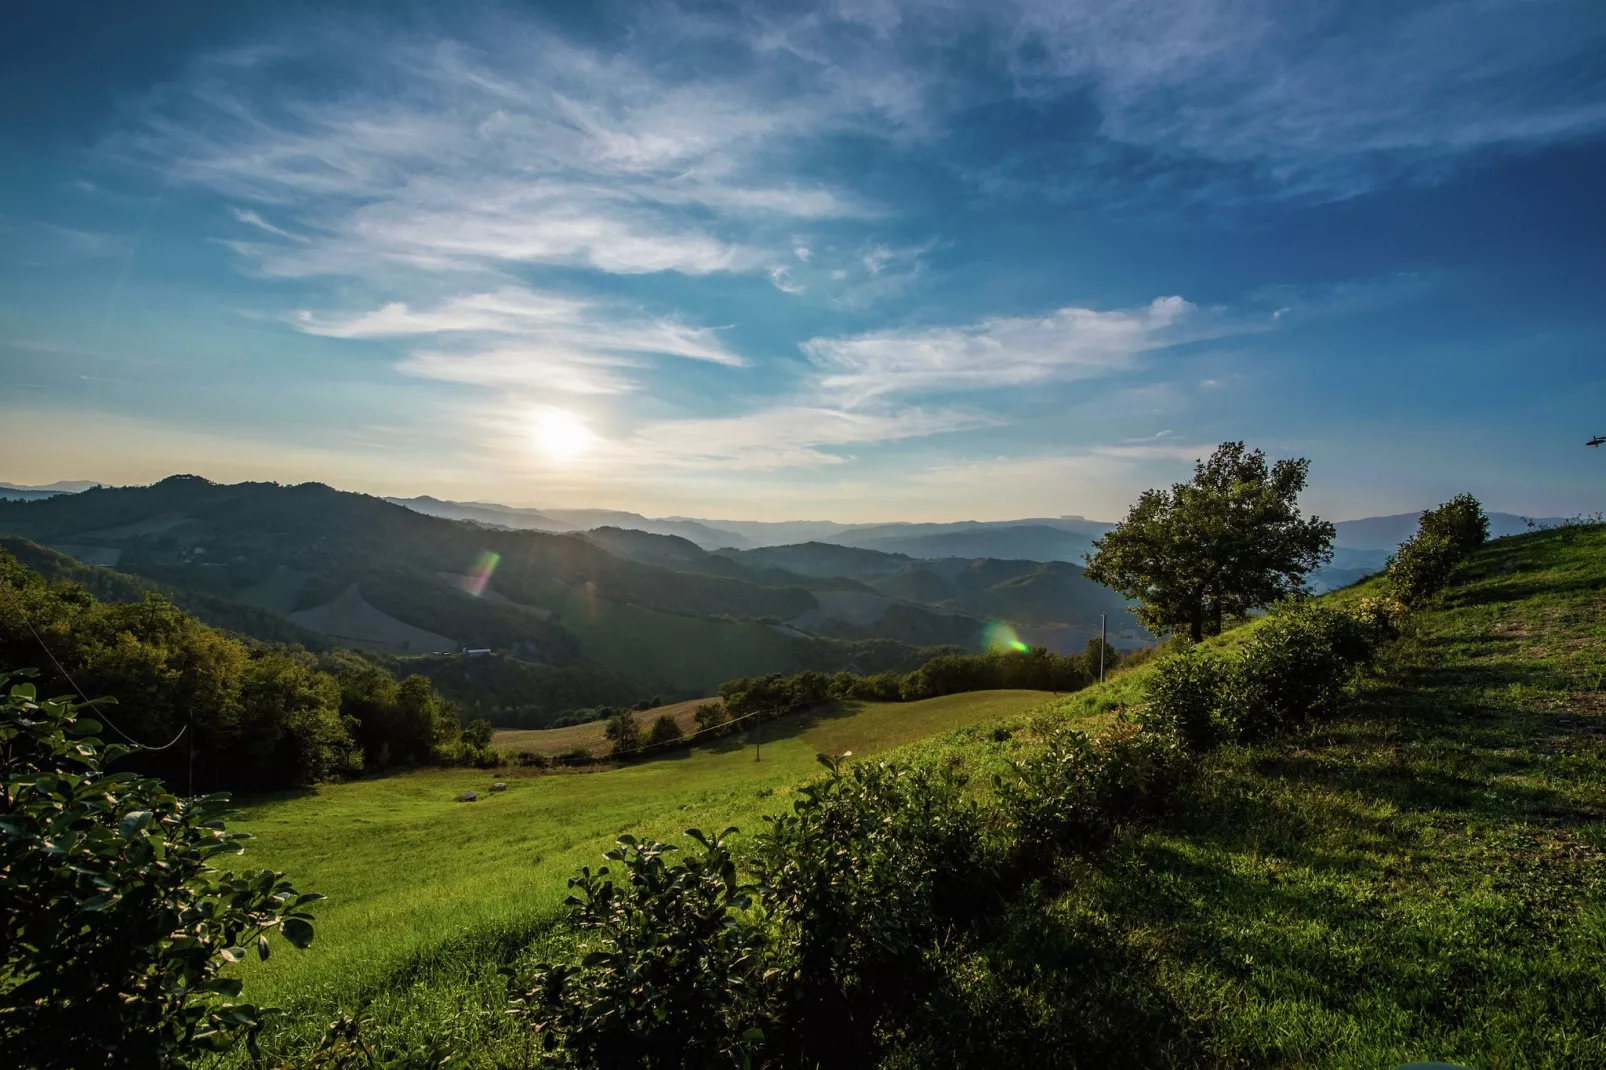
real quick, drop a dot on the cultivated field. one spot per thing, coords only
(588, 735)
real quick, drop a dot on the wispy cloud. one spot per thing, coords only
(783, 437)
(524, 148)
(1068, 343)
(517, 337)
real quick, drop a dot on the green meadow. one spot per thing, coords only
(1422, 879)
(414, 877)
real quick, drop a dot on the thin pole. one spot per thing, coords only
(1104, 640)
(758, 724)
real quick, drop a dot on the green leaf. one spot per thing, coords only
(298, 931)
(262, 947)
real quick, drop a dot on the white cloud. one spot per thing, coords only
(1069, 343)
(435, 154)
(517, 337)
(250, 218)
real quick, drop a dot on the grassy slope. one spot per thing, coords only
(1421, 881)
(413, 876)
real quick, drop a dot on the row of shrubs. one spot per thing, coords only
(845, 943)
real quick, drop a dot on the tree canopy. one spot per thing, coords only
(1230, 541)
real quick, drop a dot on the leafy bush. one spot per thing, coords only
(1461, 520)
(1421, 566)
(671, 973)
(115, 922)
(1184, 696)
(664, 730)
(863, 882)
(623, 732)
(1074, 793)
(1295, 668)
(1445, 535)
(710, 715)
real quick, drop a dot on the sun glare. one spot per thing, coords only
(562, 435)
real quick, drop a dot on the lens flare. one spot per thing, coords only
(480, 575)
(1000, 636)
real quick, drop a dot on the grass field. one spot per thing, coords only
(415, 878)
(1423, 879)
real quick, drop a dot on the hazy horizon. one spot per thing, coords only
(714, 519)
(875, 262)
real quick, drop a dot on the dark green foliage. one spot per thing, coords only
(864, 881)
(1037, 669)
(710, 715)
(477, 734)
(253, 717)
(1297, 667)
(1080, 788)
(670, 975)
(514, 694)
(1445, 535)
(1460, 520)
(115, 922)
(774, 693)
(1230, 541)
(1184, 696)
(623, 732)
(664, 730)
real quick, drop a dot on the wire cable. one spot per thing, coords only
(91, 703)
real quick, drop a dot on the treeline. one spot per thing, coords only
(212, 711)
(758, 698)
(1038, 669)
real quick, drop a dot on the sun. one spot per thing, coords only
(561, 435)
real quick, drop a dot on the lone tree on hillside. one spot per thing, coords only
(1230, 541)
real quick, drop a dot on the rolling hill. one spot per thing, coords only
(1418, 879)
(373, 574)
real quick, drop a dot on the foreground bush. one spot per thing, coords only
(1445, 535)
(115, 922)
(670, 976)
(1075, 793)
(863, 882)
(1297, 667)
(1184, 694)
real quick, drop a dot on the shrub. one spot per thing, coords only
(1381, 617)
(1295, 668)
(863, 882)
(710, 715)
(671, 974)
(1461, 520)
(115, 922)
(664, 730)
(623, 732)
(1421, 566)
(1075, 792)
(1184, 696)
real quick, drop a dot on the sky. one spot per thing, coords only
(858, 261)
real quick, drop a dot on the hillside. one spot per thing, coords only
(371, 574)
(1418, 880)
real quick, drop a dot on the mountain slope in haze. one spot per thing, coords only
(396, 580)
(1023, 542)
(570, 520)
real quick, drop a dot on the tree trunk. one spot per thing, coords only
(1196, 624)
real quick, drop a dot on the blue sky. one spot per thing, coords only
(863, 261)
